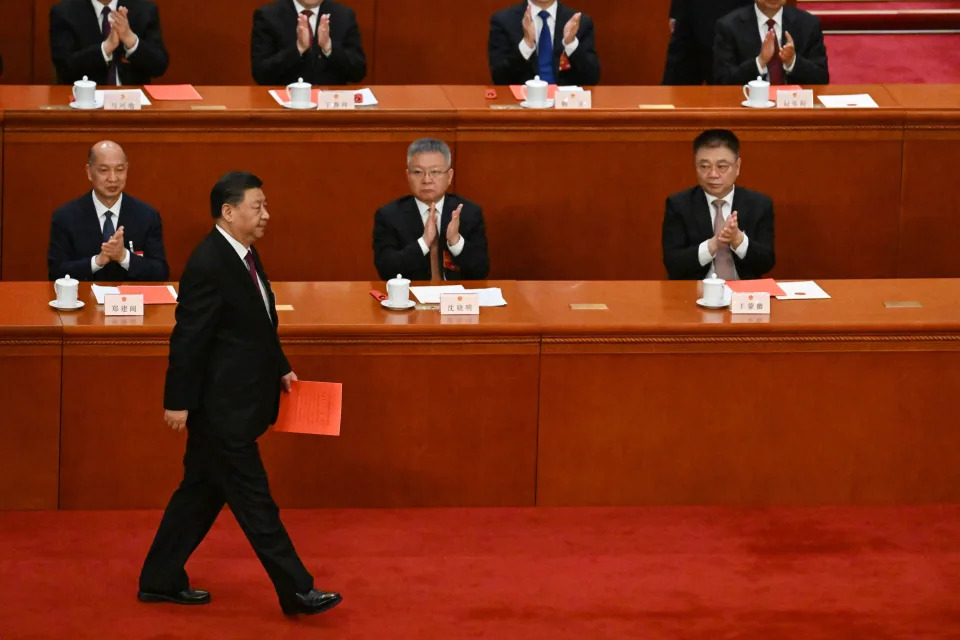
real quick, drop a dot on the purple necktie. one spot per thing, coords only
(253, 271)
(105, 28)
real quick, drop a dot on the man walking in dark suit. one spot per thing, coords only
(542, 38)
(107, 235)
(112, 42)
(431, 234)
(690, 53)
(783, 44)
(223, 386)
(317, 40)
(718, 227)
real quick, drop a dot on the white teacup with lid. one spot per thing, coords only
(757, 92)
(536, 92)
(85, 93)
(299, 93)
(398, 291)
(713, 290)
(66, 291)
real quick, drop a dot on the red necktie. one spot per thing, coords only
(775, 66)
(105, 28)
(253, 271)
(308, 13)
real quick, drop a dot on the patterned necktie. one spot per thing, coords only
(723, 261)
(112, 68)
(308, 13)
(108, 228)
(775, 67)
(253, 271)
(434, 249)
(545, 50)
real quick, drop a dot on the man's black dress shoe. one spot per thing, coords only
(312, 602)
(187, 596)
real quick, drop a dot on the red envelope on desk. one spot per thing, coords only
(311, 407)
(151, 295)
(520, 91)
(767, 285)
(172, 92)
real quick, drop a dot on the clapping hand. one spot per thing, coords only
(529, 30)
(430, 228)
(789, 51)
(453, 229)
(571, 29)
(303, 34)
(113, 249)
(121, 26)
(731, 235)
(323, 34)
(769, 47)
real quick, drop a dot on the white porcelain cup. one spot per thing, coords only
(757, 92)
(537, 91)
(66, 290)
(713, 290)
(398, 291)
(299, 93)
(85, 92)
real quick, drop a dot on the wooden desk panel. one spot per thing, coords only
(324, 173)
(597, 210)
(15, 36)
(30, 396)
(830, 402)
(400, 445)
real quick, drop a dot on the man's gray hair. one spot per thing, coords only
(429, 145)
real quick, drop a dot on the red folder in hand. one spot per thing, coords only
(311, 407)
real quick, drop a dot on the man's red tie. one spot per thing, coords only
(253, 271)
(308, 13)
(775, 66)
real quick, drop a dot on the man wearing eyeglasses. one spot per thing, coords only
(718, 227)
(431, 234)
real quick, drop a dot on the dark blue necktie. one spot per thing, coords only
(545, 50)
(108, 229)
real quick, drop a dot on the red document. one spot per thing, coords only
(172, 92)
(520, 91)
(767, 285)
(151, 295)
(311, 407)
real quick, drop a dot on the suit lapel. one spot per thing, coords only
(88, 18)
(702, 215)
(91, 223)
(237, 269)
(266, 283)
(751, 29)
(787, 25)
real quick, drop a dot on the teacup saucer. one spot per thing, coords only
(306, 107)
(703, 303)
(57, 305)
(97, 104)
(529, 105)
(403, 306)
(767, 105)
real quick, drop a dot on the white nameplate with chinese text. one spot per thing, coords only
(121, 100)
(756, 303)
(119, 304)
(340, 100)
(459, 304)
(573, 100)
(802, 99)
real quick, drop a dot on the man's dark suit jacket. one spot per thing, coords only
(75, 237)
(225, 359)
(507, 65)
(690, 54)
(276, 59)
(398, 225)
(688, 221)
(738, 44)
(75, 40)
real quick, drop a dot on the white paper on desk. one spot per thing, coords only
(804, 290)
(853, 101)
(99, 292)
(431, 295)
(144, 101)
(492, 297)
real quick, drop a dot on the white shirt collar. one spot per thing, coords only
(300, 9)
(236, 244)
(762, 19)
(98, 7)
(727, 199)
(424, 208)
(102, 208)
(552, 10)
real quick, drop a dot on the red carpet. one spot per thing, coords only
(658, 573)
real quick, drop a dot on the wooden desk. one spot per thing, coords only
(30, 349)
(858, 193)
(839, 401)
(415, 431)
